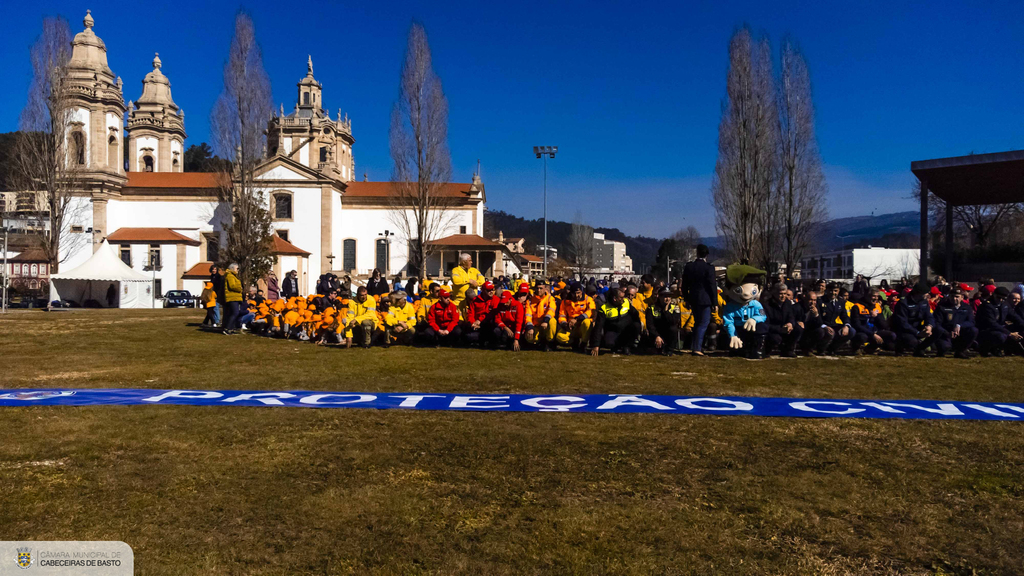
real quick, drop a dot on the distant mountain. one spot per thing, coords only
(897, 230)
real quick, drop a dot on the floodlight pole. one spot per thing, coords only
(544, 152)
(5, 271)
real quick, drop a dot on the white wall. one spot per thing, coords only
(76, 248)
(886, 263)
(163, 214)
(366, 225)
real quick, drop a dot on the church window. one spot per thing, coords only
(147, 163)
(283, 206)
(323, 153)
(212, 246)
(305, 98)
(348, 255)
(78, 148)
(112, 156)
(175, 167)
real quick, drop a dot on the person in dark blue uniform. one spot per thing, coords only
(956, 317)
(913, 324)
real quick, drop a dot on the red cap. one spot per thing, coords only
(506, 296)
(990, 289)
(488, 285)
(965, 287)
(935, 291)
(523, 289)
(444, 293)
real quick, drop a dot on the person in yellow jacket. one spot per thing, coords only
(209, 300)
(464, 277)
(424, 305)
(232, 298)
(362, 319)
(575, 319)
(400, 326)
(465, 304)
(541, 317)
(638, 301)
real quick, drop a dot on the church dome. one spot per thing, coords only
(88, 52)
(156, 88)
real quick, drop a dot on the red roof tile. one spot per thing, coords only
(200, 271)
(149, 235)
(529, 257)
(467, 240)
(283, 247)
(207, 180)
(359, 189)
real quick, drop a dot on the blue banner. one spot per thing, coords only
(599, 403)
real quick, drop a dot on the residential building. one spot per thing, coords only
(874, 263)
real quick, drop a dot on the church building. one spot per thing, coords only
(170, 223)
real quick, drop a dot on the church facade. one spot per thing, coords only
(171, 224)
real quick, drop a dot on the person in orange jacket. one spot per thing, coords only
(541, 317)
(209, 300)
(575, 319)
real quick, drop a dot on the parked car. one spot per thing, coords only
(179, 298)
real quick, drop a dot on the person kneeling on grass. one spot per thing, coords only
(957, 318)
(362, 319)
(575, 319)
(913, 324)
(617, 325)
(509, 317)
(664, 323)
(443, 322)
(400, 326)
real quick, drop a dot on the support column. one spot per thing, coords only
(440, 267)
(99, 222)
(924, 232)
(326, 227)
(949, 242)
(180, 267)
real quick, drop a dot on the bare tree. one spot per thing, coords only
(802, 188)
(238, 123)
(686, 242)
(746, 171)
(581, 245)
(418, 205)
(976, 223)
(49, 158)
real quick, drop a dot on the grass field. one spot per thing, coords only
(231, 490)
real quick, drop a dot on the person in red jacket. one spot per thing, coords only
(443, 320)
(509, 317)
(479, 323)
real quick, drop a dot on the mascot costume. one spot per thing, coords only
(743, 316)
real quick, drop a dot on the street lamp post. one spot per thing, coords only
(544, 152)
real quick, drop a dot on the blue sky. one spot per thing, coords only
(630, 91)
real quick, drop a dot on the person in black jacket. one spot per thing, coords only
(663, 323)
(783, 330)
(913, 324)
(290, 285)
(834, 317)
(700, 291)
(617, 325)
(377, 284)
(218, 287)
(871, 331)
(957, 318)
(817, 336)
(993, 319)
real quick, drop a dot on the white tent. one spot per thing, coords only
(105, 279)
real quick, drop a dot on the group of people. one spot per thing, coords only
(594, 316)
